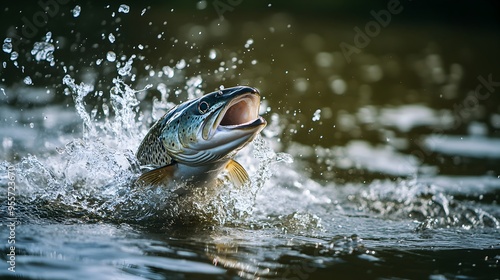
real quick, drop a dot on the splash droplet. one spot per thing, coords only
(212, 54)
(181, 64)
(338, 86)
(127, 67)
(76, 11)
(201, 5)
(168, 71)
(28, 80)
(14, 56)
(7, 143)
(44, 50)
(124, 9)
(111, 56)
(111, 37)
(249, 43)
(317, 115)
(7, 45)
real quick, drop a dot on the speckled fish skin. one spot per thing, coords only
(191, 134)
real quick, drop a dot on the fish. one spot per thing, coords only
(195, 141)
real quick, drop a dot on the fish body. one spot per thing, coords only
(196, 140)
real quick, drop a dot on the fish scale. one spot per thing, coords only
(153, 152)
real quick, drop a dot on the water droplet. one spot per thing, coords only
(76, 11)
(48, 36)
(7, 45)
(338, 86)
(324, 59)
(301, 84)
(111, 37)
(181, 64)
(372, 73)
(7, 143)
(254, 62)
(124, 9)
(140, 46)
(143, 12)
(127, 67)
(212, 54)
(93, 113)
(168, 71)
(317, 115)
(249, 43)
(201, 5)
(32, 125)
(105, 109)
(28, 80)
(44, 50)
(99, 61)
(111, 56)
(14, 55)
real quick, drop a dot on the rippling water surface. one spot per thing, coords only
(385, 165)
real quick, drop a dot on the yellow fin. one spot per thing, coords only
(157, 176)
(237, 174)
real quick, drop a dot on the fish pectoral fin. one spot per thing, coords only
(157, 176)
(237, 174)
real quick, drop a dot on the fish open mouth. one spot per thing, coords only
(236, 121)
(241, 112)
(233, 125)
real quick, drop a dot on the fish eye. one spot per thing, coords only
(203, 107)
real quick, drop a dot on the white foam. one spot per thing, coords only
(468, 146)
(407, 117)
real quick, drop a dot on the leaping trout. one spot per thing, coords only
(195, 141)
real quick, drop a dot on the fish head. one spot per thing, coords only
(214, 126)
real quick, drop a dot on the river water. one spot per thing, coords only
(382, 163)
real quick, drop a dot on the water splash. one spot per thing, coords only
(79, 93)
(44, 50)
(427, 204)
(126, 69)
(91, 178)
